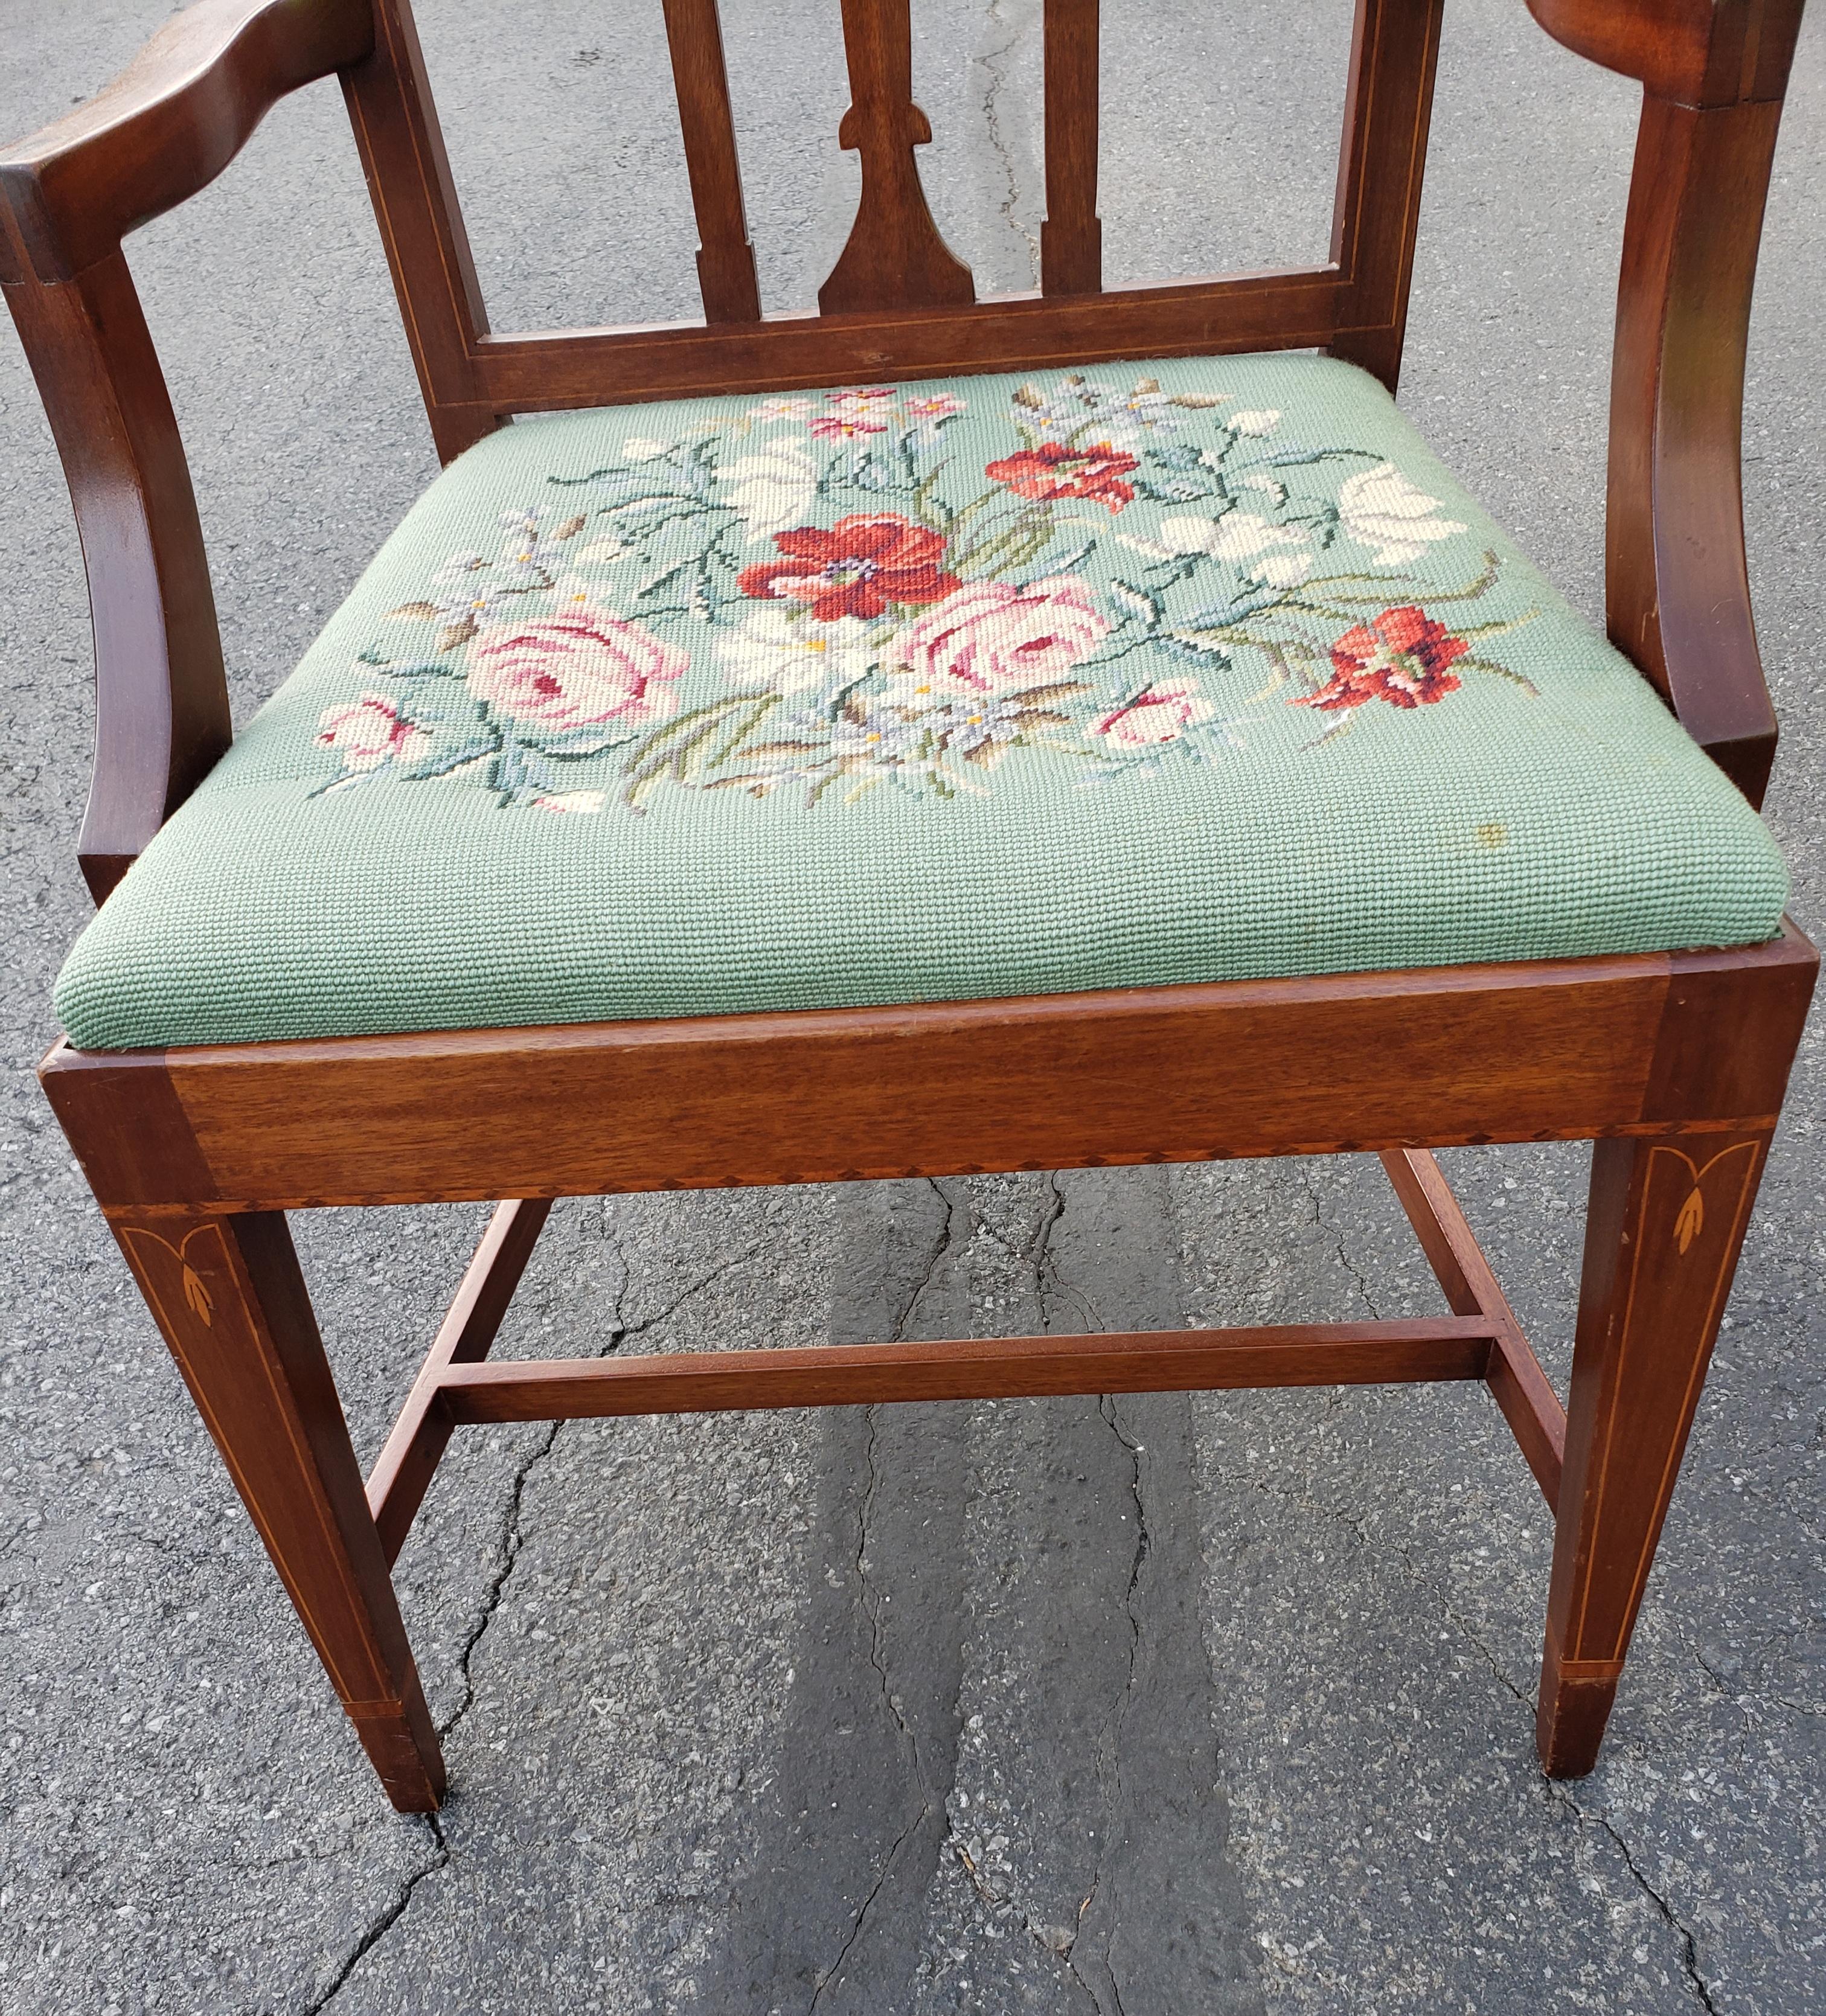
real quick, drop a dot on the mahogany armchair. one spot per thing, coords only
(926, 736)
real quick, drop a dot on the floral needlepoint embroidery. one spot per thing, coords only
(772, 491)
(827, 594)
(850, 413)
(576, 669)
(1403, 656)
(991, 636)
(857, 568)
(1053, 471)
(370, 732)
(1381, 509)
(1159, 714)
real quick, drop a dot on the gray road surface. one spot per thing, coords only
(1148, 1708)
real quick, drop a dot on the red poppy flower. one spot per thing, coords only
(1403, 656)
(1051, 469)
(855, 569)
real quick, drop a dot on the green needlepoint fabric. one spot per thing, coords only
(1198, 670)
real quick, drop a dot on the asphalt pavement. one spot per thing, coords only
(1142, 1707)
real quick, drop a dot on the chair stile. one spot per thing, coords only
(1674, 1063)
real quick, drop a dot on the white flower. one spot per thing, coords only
(782, 410)
(609, 547)
(1187, 534)
(572, 802)
(1381, 509)
(641, 449)
(1282, 570)
(1271, 487)
(1237, 535)
(781, 650)
(771, 490)
(1264, 421)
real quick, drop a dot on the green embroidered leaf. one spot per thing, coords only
(1187, 490)
(757, 784)
(1058, 689)
(1188, 644)
(1475, 664)
(413, 669)
(931, 509)
(1497, 629)
(655, 581)
(1387, 588)
(1138, 601)
(576, 748)
(472, 750)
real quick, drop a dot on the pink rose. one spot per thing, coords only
(370, 732)
(1161, 714)
(576, 669)
(991, 635)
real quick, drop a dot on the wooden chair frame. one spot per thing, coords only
(1675, 1064)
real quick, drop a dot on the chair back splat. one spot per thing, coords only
(899, 303)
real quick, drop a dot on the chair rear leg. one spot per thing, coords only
(1665, 1226)
(231, 1301)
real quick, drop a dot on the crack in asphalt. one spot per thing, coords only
(1144, 1543)
(1751, 1697)
(990, 59)
(1689, 1945)
(1310, 1181)
(1006, 1906)
(1048, 1284)
(388, 1918)
(942, 1244)
(910, 1742)
(512, 1540)
(1564, 1794)
(513, 1537)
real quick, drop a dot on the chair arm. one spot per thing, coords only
(1694, 51)
(168, 126)
(160, 133)
(1677, 593)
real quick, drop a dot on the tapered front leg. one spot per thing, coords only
(231, 1302)
(1665, 1226)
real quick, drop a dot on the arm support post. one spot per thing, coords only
(1677, 592)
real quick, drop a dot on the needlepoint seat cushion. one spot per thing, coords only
(1190, 670)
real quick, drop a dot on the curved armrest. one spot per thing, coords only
(1694, 51)
(1677, 592)
(166, 126)
(162, 130)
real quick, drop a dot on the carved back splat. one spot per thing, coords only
(1070, 233)
(725, 259)
(895, 257)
